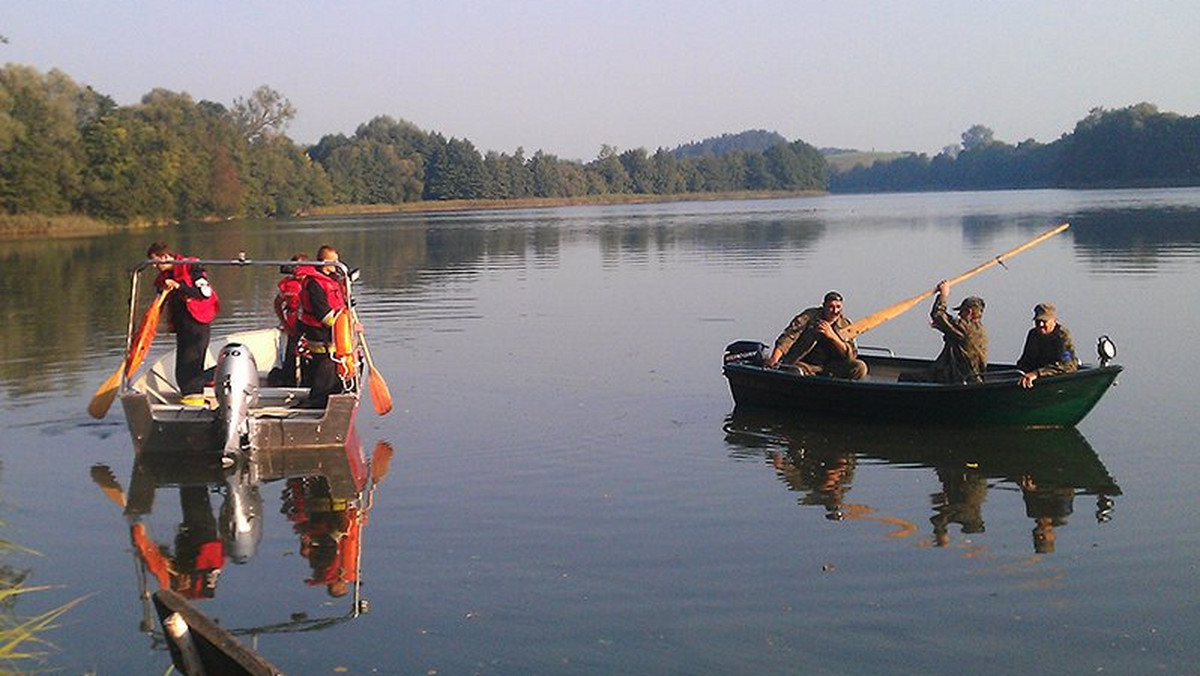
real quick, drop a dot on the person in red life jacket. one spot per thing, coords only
(329, 528)
(287, 309)
(191, 307)
(199, 556)
(322, 299)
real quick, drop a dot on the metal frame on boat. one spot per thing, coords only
(1055, 401)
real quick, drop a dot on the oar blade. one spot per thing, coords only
(381, 397)
(381, 461)
(105, 394)
(103, 476)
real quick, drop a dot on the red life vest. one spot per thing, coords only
(203, 310)
(333, 293)
(289, 292)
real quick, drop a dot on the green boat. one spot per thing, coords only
(999, 401)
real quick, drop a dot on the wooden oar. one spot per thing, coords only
(145, 334)
(871, 321)
(103, 476)
(381, 397)
(107, 392)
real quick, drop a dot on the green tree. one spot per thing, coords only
(263, 115)
(41, 147)
(666, 179)
(609, 167)
(637, 165)
(454, 170)
(978, 136)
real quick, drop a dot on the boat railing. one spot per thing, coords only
(1002, 375)
(877, 350)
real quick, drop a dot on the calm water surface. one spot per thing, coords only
(571, 492)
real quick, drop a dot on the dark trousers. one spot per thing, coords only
(287, 374)
(319, 373)
(191, 345)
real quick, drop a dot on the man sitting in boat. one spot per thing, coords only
(1049, 349)
(322, 300)
(813, 344)
(963, 358)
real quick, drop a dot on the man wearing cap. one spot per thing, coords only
(963, 358)
(1049, 349)
(812, 343)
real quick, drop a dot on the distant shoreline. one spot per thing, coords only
(547, 202)
(37, 226)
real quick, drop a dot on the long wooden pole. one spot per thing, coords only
(892, 311)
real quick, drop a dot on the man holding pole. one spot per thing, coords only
(963, 358)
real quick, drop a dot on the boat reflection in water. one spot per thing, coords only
(1050, 468)
(326, 494)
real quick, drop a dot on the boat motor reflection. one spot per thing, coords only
(221, 517)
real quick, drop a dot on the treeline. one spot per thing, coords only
(390, 161)
(1136, 146)
(67, 149)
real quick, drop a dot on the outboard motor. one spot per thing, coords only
(241, 517)
(236, 386)
(749, 352)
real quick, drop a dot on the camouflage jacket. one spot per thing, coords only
(965, 346)
(1050, 354)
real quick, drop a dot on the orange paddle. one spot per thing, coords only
(107, 392)
(381, 397)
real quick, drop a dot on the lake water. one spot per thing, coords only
(570, 492)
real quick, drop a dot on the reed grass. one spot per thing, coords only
(23, 649)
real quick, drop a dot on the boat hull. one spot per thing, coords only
(1057, 401)
(157, 427)
(275, 417)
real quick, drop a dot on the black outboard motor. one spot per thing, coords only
(749, 352)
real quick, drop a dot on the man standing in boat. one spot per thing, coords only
(287, 309)
(812, 342)
(963, 358)
(1049, 349)
(322, 300)
(191, 307)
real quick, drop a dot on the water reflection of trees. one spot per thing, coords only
(1049, 468)
(65, 299)
(1132, 239)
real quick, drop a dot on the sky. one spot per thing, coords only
(568, 76)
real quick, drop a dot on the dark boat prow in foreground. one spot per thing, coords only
(999, 401)
(204, 643)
